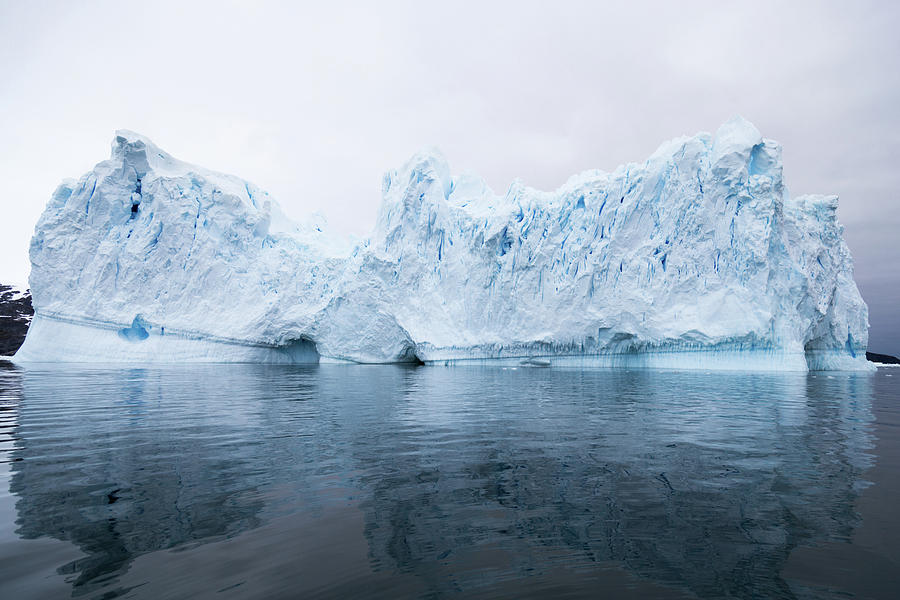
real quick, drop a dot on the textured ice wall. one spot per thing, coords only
(695, 258)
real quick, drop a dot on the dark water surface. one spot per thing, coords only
(349, 481)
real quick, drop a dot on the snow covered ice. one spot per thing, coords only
(696, 258)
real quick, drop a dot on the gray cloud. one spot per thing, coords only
(313, 103)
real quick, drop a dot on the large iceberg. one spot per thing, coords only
(696, 258)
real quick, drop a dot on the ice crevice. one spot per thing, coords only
(704, 262)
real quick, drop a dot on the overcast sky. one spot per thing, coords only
(313, 103)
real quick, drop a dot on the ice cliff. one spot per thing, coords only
(696, 258)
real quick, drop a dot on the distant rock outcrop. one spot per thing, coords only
(884, 359)
(15, 316)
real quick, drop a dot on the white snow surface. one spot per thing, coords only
(696, 258)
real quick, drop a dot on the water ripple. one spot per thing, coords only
(260, 481)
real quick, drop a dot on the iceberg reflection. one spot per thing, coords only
(461, 480)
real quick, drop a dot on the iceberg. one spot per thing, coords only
(696, 258)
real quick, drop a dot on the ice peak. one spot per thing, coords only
(127, 136)
(429, 163)
(735, 136)
(139, 152)
(738, 127)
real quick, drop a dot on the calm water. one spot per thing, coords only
(342, 481)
